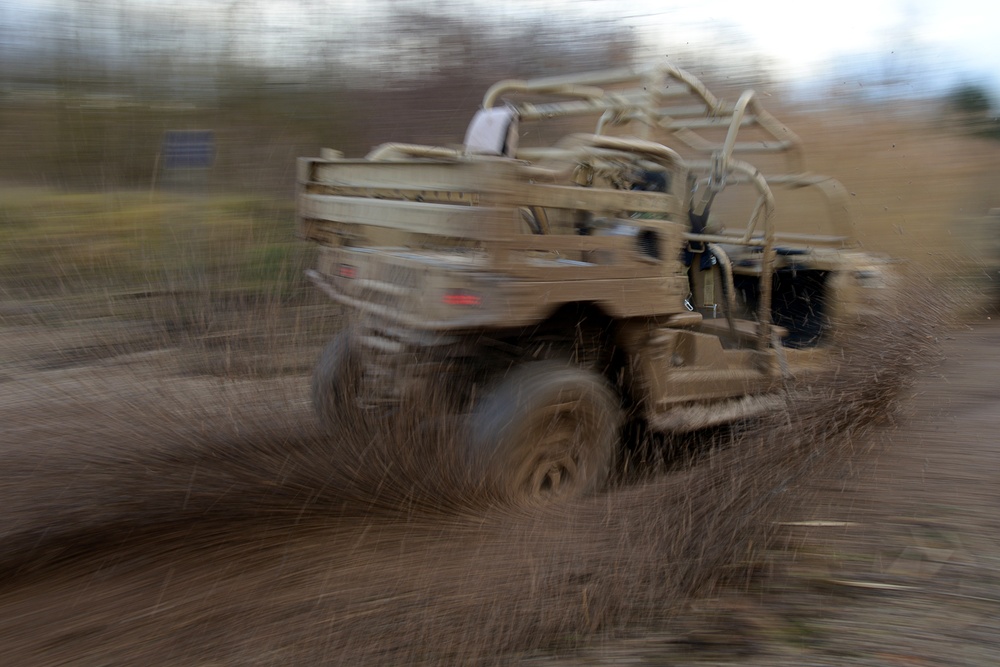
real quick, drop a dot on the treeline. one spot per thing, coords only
(87, 90)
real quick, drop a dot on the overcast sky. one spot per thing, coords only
(803, 39)
(937, 41)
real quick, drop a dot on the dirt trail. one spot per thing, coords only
(927, 539)
(906, 569)
(163, 520)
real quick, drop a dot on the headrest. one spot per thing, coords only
(492, 131)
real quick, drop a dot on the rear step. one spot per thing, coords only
(692, 417)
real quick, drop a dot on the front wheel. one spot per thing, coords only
(546, 432)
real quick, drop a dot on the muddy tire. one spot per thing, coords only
(546, 432)
(336, 380)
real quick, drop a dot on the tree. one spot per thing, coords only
(972, 106)
(970, 99)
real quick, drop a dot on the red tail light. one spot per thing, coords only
(347, 271)
(462, 298)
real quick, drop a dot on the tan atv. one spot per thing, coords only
(555, 292)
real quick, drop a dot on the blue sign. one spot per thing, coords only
(188, 149)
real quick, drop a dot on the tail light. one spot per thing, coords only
(462, 298)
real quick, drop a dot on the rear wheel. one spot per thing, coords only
(336, 380)
(546, 432)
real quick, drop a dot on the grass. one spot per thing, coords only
(220, 276)
(57, 243)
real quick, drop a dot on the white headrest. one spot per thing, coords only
(492, 132)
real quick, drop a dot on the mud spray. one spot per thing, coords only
(221, 526)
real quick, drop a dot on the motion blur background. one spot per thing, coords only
(148, 145)
(88, 87)
(143, 139)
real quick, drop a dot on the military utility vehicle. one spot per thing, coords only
(555, 292)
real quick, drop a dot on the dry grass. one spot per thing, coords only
(57, 244)
(219, 279)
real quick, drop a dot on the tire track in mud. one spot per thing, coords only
(199, 523)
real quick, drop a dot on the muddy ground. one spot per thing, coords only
(897, 563)
(155, 515)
